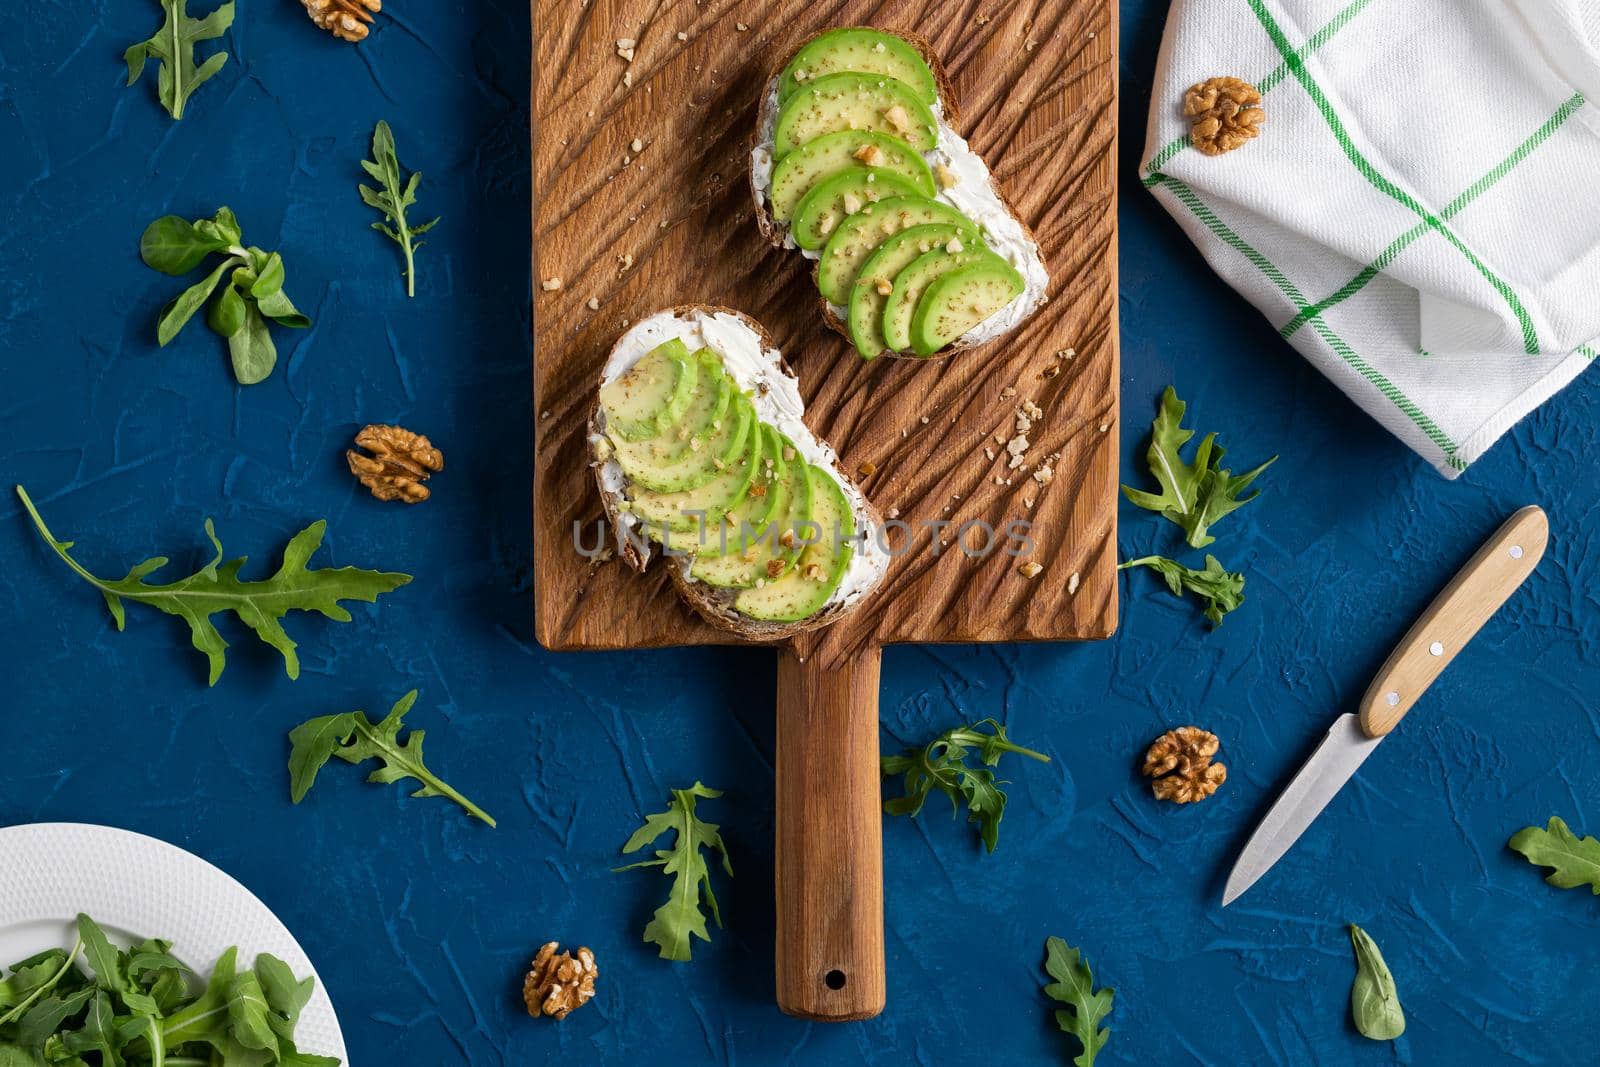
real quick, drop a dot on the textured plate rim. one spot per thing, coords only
(142, 898)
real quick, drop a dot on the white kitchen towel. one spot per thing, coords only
(1420, 215)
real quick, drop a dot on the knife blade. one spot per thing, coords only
(1477, 591)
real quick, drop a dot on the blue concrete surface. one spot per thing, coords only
(421, 921)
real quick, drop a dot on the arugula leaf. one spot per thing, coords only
(42, 988)
(173, 46)
(1085, 1006)
(393, 199)
(941, 765)
(679, 920)
(252, 295)
(1193, 494)
(1374, 1004)
(1221, 590)
(1574, 860)
(216, 587)
(352, 738)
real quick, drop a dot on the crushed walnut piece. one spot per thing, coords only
(1225, 113)
(550, 285)
(345, 19)
(870, 154)
(400, 461)
(1180, 762)
(558, 984)
(625, 48)
(1030, 569)
(867, 470)
(897, 117)
(946, 177)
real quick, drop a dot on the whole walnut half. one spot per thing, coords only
(1180, 762)
(557, 984)
(395, 464)
(1225, 113)
(345, 19)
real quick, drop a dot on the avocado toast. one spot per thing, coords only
(858, 164)
(701, 454)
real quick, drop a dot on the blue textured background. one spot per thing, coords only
(421, 921)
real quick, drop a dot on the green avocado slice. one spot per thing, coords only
(834, 199)
(860, 235)
(827, 155)
(652, 394)
(860, 49)
(803, 587)
(909, 285)
(743, 558)
(853, 101)
(704, 507)
(867, 297)
(960, 299)
(666, 468)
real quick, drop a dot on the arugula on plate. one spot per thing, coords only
(173, 47)
(680, 919)
(1085, 1005)
(251, 296)
(352, 737)
(141, 1007)
(942, 765)
(1221, 590)
(217, 587)
(1194, 493)
(1374, 1003)
(393, 199)
(1573, 861)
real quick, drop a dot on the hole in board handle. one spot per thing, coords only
(834, 979)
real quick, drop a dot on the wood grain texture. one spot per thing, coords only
(1476, 592)
(829, 870)
(673, 223)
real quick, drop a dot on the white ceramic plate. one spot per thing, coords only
(137, 887)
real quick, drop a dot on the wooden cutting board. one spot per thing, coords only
(642, 201)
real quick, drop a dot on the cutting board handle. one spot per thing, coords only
(829, 863)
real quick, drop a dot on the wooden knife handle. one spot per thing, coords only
(1456, 614)
(829, 866)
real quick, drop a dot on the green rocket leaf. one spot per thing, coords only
(353, 738)
(1085, 1006)
(941, 765)
(173, 46)
(1374, 1004)
(216, 587)
(680, 919)
(396, 195)
(1574, 860)
(1194, 494)
(1221, 590)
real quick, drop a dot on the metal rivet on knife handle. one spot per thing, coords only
(1456, 614)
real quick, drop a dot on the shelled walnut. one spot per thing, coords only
(400, 462)
(346, 19)
(1225, 112)
(1180, 762)
(558, 984)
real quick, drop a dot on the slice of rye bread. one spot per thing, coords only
(713, 604)
(775, 232)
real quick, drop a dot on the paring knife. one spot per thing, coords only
(1456, 614)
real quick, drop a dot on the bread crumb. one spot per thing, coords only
(625, 48)
(990, 453)
(1072, 584)
(892, 513)
(741, 27)
(624, 261)
(594, 303)
(1030, 569)
(627, 79)
(550, 285)
(637, 146)
(1008, 392)
(682, 36)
